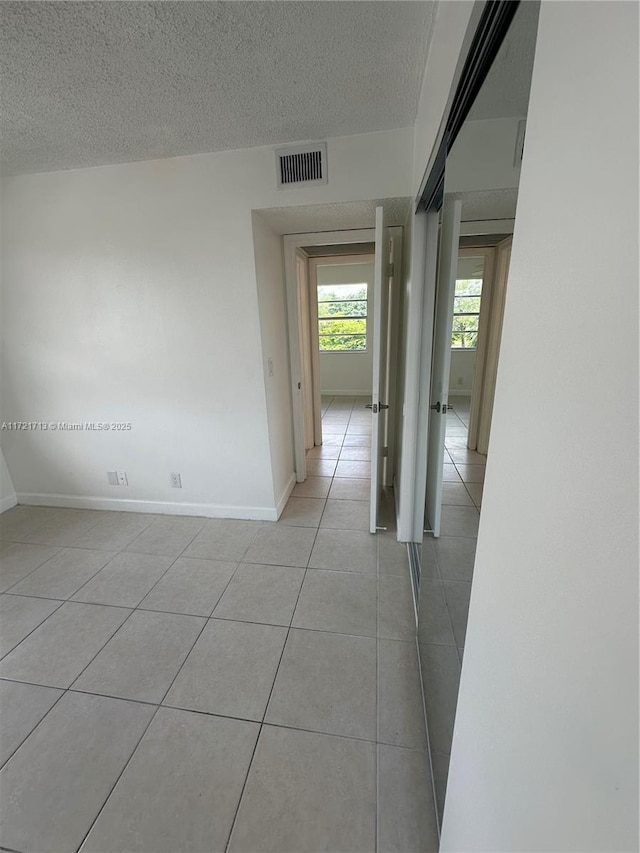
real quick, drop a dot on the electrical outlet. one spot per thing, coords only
(112, 477)
(270, 366)
(122, 478)
(176, 481)
(460, 380)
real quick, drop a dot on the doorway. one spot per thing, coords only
(334, 317)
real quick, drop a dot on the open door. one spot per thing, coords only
(441, 361)
(378, 403)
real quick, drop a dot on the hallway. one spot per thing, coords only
(174, 683)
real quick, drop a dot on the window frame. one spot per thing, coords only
(365, 317)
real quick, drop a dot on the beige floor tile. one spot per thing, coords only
(313, 487)
(230, 670)
(143, 657)
(458, 595)
(63, 574)
(68, 767)
(19, 616)
(346, 515)
(322, 789)
(406, 814)
(321, 467)
(181, 789)
(18, 560)
(261, 593)
(360, 470)
(22, 706)
(400, 709)
(58, 650)
(125, 580)
(396, 615)
(343, 602)
(344, 550)
(459, 521)
(326, 683)
(278, 545)
(350, 489)
(471, 473)
(114, 531)
(167, 536)
(190, 586)
(302, 512)
(223, 539)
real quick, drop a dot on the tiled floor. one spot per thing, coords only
(174, 684)
(445, 588)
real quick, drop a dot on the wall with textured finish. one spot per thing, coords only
(130, 295)
(545, 748)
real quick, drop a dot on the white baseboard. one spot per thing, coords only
(459, 392)
(260, 513)
(8, 503)
(284, 497)
(360, 393)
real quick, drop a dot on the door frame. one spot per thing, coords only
(291, 243)
(494, 337)
(486, 309)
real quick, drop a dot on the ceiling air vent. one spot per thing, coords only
(302, 167)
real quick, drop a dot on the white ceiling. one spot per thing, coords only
(505, 91)
(92, 83)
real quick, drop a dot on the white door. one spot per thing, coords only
(380, 336)
(441, 361)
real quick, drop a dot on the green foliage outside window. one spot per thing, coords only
(342, 317)
(466, 313)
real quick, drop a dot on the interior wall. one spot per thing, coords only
(482, 157)
(545, 748)
(453, 29)
(130, 296)
(463, 363)
(270, 282)
(348, 373)
(7, 490)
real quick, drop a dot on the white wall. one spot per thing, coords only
(130, 295)
(275, 355)
(545, 750)
(350, 372)
(452, 29)
(482, 157)
(7, 490)
(463, 363)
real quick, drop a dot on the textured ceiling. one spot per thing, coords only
(340, 216)
(92, 83)
(505, 91)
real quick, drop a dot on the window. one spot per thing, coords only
(466, 312)
(342, 317)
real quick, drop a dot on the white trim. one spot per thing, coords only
(8, 502)
(260, 513)
(284, 497)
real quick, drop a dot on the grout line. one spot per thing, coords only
(55, 610)
(120, 775)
